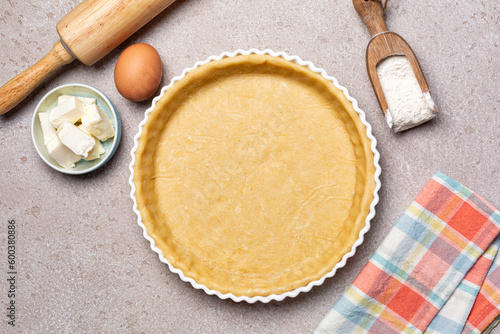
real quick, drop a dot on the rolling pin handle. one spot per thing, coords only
(16, 89)
(372, 14)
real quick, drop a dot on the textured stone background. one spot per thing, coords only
(84, 265)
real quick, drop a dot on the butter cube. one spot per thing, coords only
(71, 110)
(85, 100)
(96, 151)
(61, 154)
(97, 122)
(75, 139)
(98, 148)
(47, 129)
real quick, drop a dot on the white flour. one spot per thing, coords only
(408, 105)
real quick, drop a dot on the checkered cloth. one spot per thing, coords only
(436, 272)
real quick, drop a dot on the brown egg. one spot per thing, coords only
(138, 72)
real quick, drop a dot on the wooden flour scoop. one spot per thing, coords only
(88, 33)
(383, 45)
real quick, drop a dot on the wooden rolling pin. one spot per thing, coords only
(88, 33)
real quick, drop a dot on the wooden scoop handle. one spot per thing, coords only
(372, 14)
(16, 89)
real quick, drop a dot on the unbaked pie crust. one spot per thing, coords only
(254, 175)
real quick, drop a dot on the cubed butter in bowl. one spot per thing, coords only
(75, 128)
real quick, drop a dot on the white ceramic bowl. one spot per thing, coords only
(342, 263)
(49, 101)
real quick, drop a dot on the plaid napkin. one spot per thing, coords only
(436, 272)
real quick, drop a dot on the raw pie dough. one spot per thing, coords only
(254, 175)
